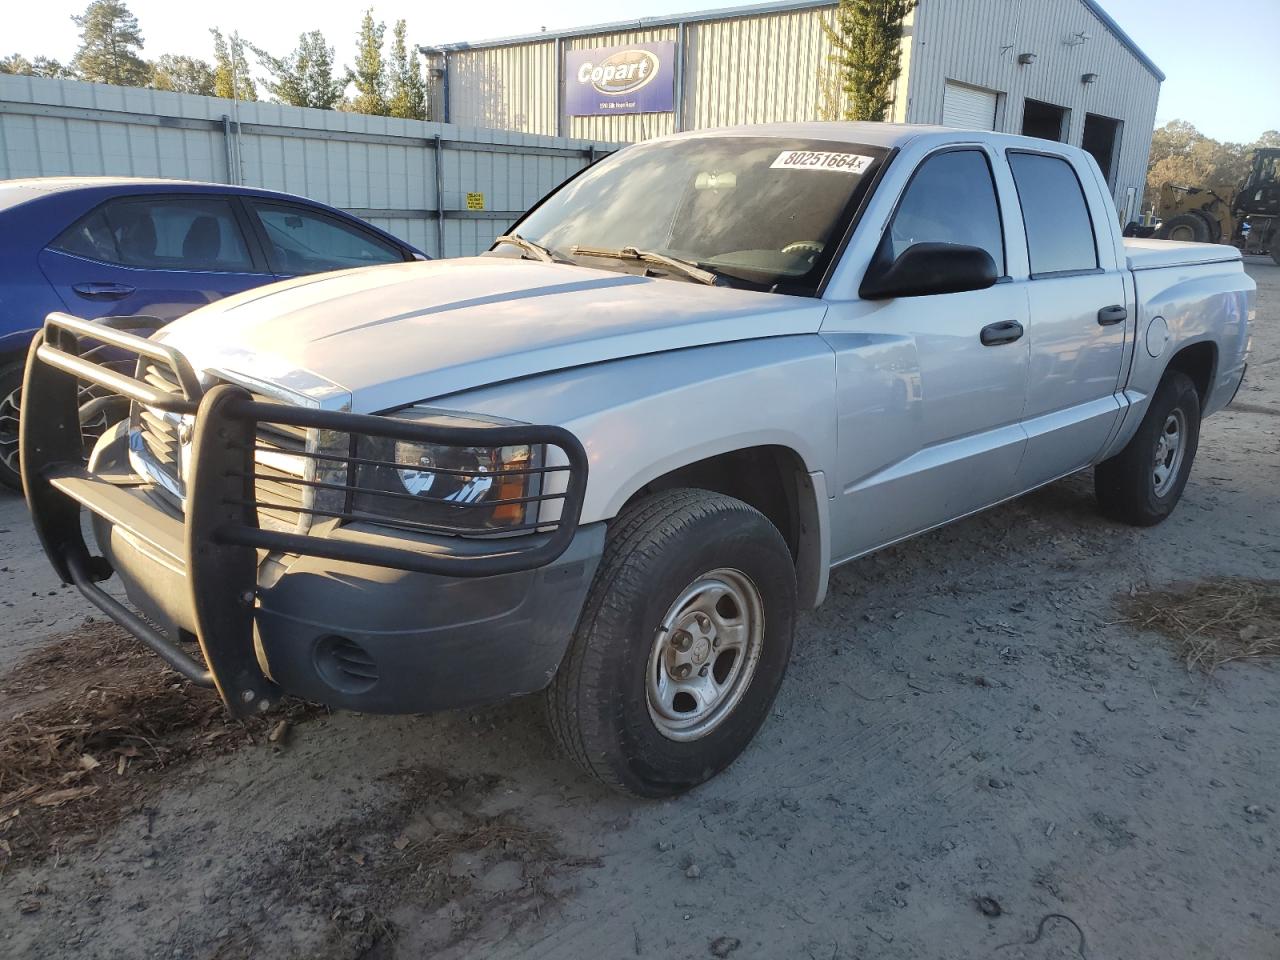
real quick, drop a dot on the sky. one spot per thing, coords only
(1218, 78)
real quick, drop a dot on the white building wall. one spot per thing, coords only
(978, 41)
(742, 69)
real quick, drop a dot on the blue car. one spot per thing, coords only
(98, 247)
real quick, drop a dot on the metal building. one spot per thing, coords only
(1061, 69)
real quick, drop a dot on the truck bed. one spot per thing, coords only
(1148, 254)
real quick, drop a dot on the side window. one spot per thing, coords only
(951, 199)
(194, 233)
(1054, 211)
(308, 241)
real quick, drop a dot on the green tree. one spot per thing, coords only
(183, 74)
(408, 97)
(304, 78)
(110, 44)
(370, 73)
(39, 67)
(1183, 156)
(867, 36)
(231, 77)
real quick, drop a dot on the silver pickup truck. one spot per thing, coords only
(612, 458)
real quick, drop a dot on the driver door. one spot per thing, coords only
(928, 407)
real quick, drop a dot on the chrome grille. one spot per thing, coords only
(156, 437)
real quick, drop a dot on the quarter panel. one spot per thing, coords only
(1198, 302)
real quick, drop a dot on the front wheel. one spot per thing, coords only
(10, 404)
(681, 646)
(1143, 482)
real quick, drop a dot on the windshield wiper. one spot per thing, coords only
(536, 250)
(690, 270)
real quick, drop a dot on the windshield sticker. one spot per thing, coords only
(815, 160)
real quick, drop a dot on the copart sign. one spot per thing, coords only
(639, 78)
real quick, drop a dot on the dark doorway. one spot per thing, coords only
(1101, 138)
(1044, 120)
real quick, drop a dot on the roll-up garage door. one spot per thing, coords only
(970, 108)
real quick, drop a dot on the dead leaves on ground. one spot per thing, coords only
(1213, 621)
(105, 721)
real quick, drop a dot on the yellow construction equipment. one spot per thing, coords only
(1247, 215)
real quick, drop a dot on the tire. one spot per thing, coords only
(615, 705)
(1130, 486)
(10, 401)
(1275, 250)
(1185, 226)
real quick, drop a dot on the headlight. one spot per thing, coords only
(464, 490)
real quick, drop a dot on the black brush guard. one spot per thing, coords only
(221, 537)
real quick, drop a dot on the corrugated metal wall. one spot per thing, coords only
(380, 168)
(511, 88)
(978, 42)
(744, 69)
(754, 68)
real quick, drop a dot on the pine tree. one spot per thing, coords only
(305, 77)
(867, 36)
(183, 74)
(370, 73)
(408, 87)
(39, 67)
(231, 69)
(110, 43)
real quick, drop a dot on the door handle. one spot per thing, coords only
(1113, 314)
(1006, 331)
(103, 291)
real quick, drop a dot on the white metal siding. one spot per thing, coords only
(510, 88)
(977, 42)
(757, 69)
(351, 161)
(969, 108)
(744, 69)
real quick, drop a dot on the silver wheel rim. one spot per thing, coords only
(9, 404)
(704, 654)
(1171, 446)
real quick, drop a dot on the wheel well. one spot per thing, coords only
(1198, 362)
(767, 478)
(776, 482)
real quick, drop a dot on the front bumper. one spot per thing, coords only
(348, 614)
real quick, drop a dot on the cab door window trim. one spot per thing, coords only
(886, 237)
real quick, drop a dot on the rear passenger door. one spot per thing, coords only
(1077, 296)
(160, 256)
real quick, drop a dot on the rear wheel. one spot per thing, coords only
(1143, 482)
(10, 402)
(681, 646)
(1186, 227)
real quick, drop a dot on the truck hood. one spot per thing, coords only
(382, 337)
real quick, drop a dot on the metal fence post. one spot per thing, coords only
(439, 196)
(231, 152)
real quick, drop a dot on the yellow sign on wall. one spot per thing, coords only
(475, 201)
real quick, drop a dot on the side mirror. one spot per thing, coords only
(924, 269)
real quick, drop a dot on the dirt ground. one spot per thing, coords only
(978, 752)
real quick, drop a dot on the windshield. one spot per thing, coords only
(757, 211)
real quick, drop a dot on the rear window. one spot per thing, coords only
(1059, 232)
(195, 233)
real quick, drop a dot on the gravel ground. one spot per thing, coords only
(964, 719)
